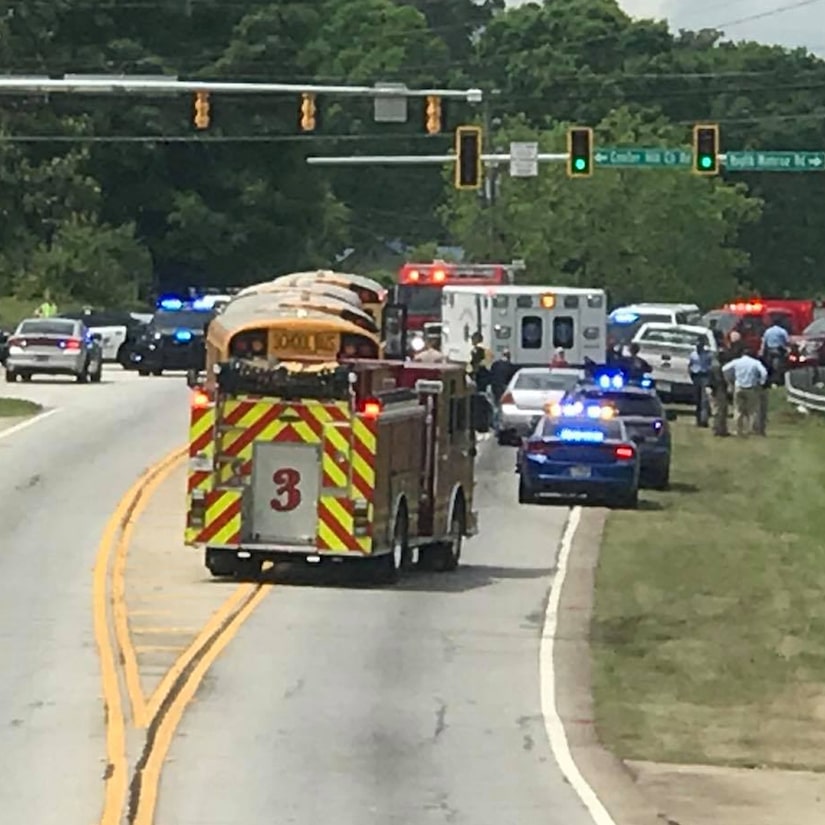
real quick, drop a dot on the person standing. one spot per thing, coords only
(760, 419)
(48, 308)
(559, 358)
(431, 354)
(501, 372)
(719, 389)
(748, 374)
(699, 366)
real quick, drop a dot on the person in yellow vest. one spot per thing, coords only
(47, 309)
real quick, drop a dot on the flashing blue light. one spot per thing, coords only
(609, 381)
(170, 304)
(647, 382)
(620, 317)
(581, 436)
(183, 335)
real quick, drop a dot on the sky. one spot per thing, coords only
(783, 22)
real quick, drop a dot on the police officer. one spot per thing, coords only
(635, 365)
(699, 366)
(760, 418)
(774, 348)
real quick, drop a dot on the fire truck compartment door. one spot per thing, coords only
(285, 482)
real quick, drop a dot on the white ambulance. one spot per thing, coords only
(532, 322)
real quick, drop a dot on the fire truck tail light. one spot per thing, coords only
(413, 275)
(200, 399)
(439, 276)
(371, 408)
(548, 301)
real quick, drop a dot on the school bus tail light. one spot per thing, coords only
(248, 344)
(548, 301)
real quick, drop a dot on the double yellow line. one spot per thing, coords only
(161, 713)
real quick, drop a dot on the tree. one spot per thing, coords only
(641, 235)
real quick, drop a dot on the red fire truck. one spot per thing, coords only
(420, 284)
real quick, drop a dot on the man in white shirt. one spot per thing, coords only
(748, 375)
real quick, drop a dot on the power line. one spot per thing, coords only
(770, 13)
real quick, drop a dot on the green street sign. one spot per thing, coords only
(667, 158)
(775, 161)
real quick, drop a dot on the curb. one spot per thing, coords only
(609, 776)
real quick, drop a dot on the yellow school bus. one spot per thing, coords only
(310, 289)
(373, 296)
(264, 327)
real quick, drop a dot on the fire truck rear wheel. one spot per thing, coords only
(399, 558)
(445, 556)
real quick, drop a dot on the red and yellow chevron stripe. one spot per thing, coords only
(335, 525)
(223, 518)
(201, 446)
(364, 433)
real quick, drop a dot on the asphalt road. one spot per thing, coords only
(418, 704)
(60, 480)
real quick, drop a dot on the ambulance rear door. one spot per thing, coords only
(532, 341)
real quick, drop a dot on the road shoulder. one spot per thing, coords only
(607, 775)
(652, 793)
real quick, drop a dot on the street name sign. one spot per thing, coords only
(524, 160)
(669, 158)
(775, 161)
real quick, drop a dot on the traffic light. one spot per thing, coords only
(580, 152)
(309, 118)
(468, 157)
(706, 149)
(433, 114)
(202, 110)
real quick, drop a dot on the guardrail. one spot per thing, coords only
(805, 387)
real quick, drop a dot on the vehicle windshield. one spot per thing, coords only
(553, 428)
(420, 300)
(622, 331)
(816, 328)
(545, 381)
(679, 338)
(47, 327)
(165, 321)
(632, 404)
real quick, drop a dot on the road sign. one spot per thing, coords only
(524, 160)
(676, 158)
(775, 161)
(391, 109)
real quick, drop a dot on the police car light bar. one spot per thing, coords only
(578, 410)
(624, 317)
(618, 379)
(170, 304)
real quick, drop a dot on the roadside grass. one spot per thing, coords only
(13, 310)
(708, 632)
(18, 408)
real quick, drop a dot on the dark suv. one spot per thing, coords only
(646, 422)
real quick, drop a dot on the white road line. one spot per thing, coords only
(547, 675)
(28, 422)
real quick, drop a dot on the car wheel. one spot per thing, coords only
(661, 480)
(143, 373)
(524, 495)
(629, 501)
(157, 372)
(11, 376)
(25, 376)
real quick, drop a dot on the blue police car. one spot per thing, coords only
(579, 449)
(174, 338)
(635, 402)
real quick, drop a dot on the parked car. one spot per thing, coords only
(526, 396)
(667, 348)
(54, 346)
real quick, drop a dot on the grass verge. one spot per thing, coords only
(709, 617)
(18, 408)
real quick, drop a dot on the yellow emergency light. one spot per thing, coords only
(547, 301)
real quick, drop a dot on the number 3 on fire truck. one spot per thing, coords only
(287, 492)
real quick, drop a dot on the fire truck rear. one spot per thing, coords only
(370, 461)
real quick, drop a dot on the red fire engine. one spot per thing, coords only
(419, 286)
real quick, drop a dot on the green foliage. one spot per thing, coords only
(637, 233)
(92, 219)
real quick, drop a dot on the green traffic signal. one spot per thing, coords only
(705, 162)
(580, 164)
